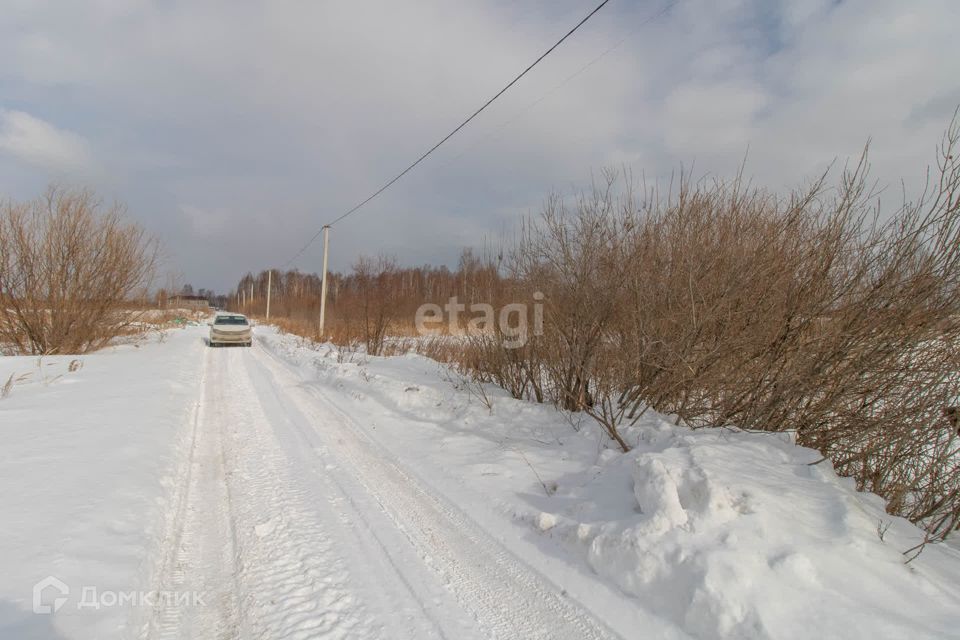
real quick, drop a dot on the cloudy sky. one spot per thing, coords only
(234, 129)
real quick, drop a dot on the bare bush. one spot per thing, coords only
(68, 264)
(378, 301)
(725, 305)
(577, 260)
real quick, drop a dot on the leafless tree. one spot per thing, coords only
(68, 266)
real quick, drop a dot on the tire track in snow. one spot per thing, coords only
(404, 595)
(295, 580)
(401, 596)
(278, 549)
(507, 598)
(198, 556)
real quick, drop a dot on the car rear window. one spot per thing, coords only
(230, 320)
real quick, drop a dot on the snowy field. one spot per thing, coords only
(176, 491)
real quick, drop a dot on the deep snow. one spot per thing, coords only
(309, 492)
(87, 466)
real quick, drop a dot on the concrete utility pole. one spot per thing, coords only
(269, 287)
(323, 282)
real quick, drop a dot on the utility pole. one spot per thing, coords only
(269, 286)
(323, 282)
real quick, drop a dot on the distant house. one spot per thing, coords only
(197, 303)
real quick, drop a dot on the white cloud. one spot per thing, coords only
(711, 117)
(286, 114)
(40, 143)
(205, 222)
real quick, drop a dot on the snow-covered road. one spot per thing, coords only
(292, 490)
(294, 524)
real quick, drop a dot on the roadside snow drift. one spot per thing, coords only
(87, 463)
(738, 535)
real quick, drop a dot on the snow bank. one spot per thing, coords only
(89, 449)
(722, 534)
(738, 535)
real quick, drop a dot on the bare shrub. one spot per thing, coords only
(68, 264)
(726, 305)
(469, 384)
(491, 356)
(377, 300)
(575, 262)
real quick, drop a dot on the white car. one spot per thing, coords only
(230, 328)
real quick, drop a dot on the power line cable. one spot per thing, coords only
(496, 131)
(449, 135)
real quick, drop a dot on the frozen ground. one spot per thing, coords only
(298, 495)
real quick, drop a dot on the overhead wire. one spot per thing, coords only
(495, 131)
(429, 151)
